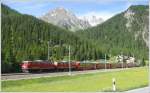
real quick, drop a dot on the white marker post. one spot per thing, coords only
(114, 84)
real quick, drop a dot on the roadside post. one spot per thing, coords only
(114, 84)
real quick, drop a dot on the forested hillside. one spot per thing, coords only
(125, 33)
(25, 37)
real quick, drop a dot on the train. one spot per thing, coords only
(44, 65)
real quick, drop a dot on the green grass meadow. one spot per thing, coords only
(101, 81)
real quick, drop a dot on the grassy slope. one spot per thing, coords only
(126, 80)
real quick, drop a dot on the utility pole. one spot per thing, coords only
(12, 50)
(69, 62)
(48, 50)
(122, 59)
(105, 62)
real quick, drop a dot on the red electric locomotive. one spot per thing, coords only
(37, 65)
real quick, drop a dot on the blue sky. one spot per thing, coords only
(101, 8)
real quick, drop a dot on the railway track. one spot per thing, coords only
(19, 76)
(10, 74)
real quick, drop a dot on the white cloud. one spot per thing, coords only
(103, 15)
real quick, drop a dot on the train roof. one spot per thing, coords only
(27, 61)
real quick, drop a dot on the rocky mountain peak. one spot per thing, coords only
(60, 10)
(65, 19)
(93, 20)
